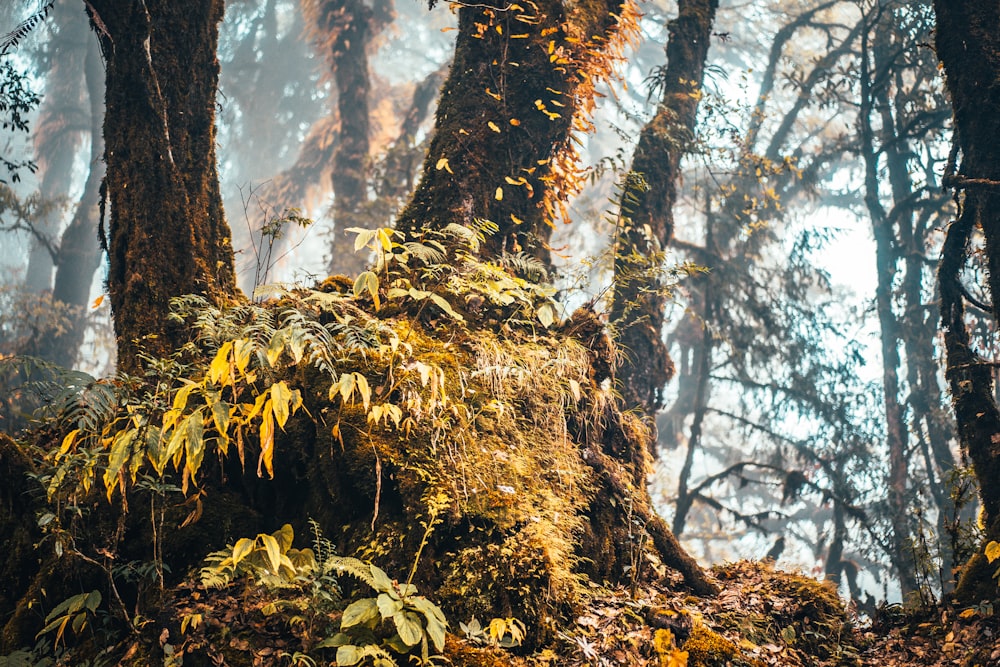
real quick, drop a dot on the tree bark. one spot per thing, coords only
(648, 222)
(968, 44)
(168, 236)
(521, 82)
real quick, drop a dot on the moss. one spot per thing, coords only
(706, 648)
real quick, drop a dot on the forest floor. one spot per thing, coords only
(762, 618)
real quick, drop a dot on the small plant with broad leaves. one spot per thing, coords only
(413, 623)
(373, 630)
(75, 613)
(269, 558)
(501, 632)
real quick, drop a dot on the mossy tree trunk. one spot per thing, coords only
(647, 214)
(167, 234)
(968, 44)
(521, 82)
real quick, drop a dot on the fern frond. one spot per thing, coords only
(525, 265)
(353, 567)
(426, 253)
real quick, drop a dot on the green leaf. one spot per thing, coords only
(408, 625)
(546, 314)
(387, 606)
(436, 631)
(367, 280)
(220, 415)
(273, 552)
(431, 610)
(348, 655)
(359, 612)
(93, 601)
(443, 304)
(242, 549)
(383, 584)
(364, 236)
(339, 639)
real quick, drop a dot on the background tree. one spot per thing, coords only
(647, 213)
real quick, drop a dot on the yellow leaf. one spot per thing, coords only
(98, 301)
(273, 551)
(493, 126)
(266, 444)
(181, 397)
(242, 349)
(281, 395)
(384, 235)
(516, 220)
(675, 658)
(499, 194)
(515, 122)
(968, 613)
(443, 164)
(992, 551)
(499, 30)
(364, 389)
(219, 370)
(67, 443)
(347, 384)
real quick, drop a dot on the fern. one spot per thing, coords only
(322, 546)
(427, 253)
(352, 567)
(528, 266)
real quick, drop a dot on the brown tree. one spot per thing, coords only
(968, 45)
(647, 216)
(521, 83)
(167, 234)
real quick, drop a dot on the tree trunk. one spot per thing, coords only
(168, 236)
(968, 44)
(647, 223)
(61, 123)
(521, 82)
(873, 95)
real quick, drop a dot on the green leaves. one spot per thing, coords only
(359, 612)
(367, 280)
(417, 620)
(73, 612)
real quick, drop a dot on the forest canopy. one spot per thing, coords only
(543, 332)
